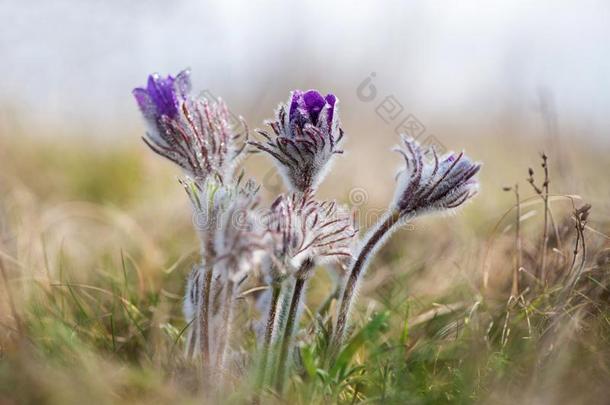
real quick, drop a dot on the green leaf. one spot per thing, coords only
(404, 335)
(308, 361)
(368, 333)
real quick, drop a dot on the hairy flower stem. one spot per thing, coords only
(370, 245)
(225, 332)
(295, 304)
(204, 316)
(205, 302)
(269, 328)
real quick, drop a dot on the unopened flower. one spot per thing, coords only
(193, 133)
(306, 229)
(306, 136)
(424, 185)
(433, 184)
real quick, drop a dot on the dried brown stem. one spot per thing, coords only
(545, 237)
(518, 246)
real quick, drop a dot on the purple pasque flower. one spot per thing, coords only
(162, 96)
(436, 184)
(311, 107)
(306, 136)
(426, 184)
(192, 132)
(307, 229)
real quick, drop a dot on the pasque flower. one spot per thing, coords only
(163, 96)
(228, 242)
(426, 184)
(306, 136)
(194, 133)
(307, 229)
(307, 232)
(297, 232)
(241, 242)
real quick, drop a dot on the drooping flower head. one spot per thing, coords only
(436, 184)
(194, 133)
(306, 136)
(306, 229)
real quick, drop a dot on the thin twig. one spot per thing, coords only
(518, 246)
(545, 237)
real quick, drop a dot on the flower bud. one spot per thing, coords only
(306, 135)
(436, 184)
(193, 133)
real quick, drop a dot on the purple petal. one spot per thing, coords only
(144, 102)
(297, 95)
(313, 104)
(163, 95)
(330, 100)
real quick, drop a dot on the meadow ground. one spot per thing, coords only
(97, 240)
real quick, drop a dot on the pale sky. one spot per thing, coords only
(77, 60)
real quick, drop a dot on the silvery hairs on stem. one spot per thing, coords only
(214, 203)
(229, 216)
(426, 184)
(194, 133)
(241, 242)
(191, 300)
(306, 136)
(307, 232)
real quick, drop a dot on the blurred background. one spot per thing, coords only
(83, 200)
(490, 79)
(473, 65)
(509, 71)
